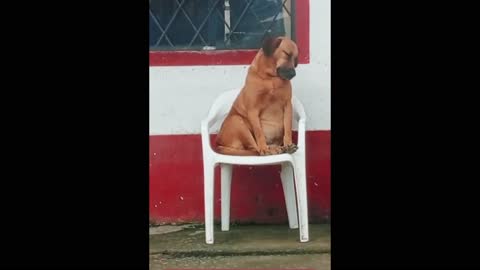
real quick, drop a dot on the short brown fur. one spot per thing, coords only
(260, 120)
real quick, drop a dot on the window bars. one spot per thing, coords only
(217, 24)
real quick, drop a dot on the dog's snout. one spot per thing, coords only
(286, 73)
(292, 72)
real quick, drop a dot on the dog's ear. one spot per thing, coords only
(270, 44)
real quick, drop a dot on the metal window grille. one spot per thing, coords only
(218, 24)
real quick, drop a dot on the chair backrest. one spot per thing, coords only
(222, 105)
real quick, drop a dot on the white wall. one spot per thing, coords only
(181, 96)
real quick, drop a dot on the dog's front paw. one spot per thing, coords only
(276, 149)
(263, 151)
(271, 150)
(291, 148)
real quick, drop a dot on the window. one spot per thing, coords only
(204, 25)
(223, 32)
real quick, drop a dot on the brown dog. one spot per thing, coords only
(260, 120)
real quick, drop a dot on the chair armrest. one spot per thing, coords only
(301, 134)
(298, 110)
(205, 126)
(299, 113)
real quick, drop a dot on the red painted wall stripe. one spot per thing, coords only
(197, 58)
(302, 31)
(237, 57)
(176, 183)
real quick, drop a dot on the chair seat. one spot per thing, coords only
(254, 160)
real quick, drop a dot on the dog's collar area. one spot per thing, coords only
(264, 75)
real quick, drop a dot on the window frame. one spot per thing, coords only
(238, 56)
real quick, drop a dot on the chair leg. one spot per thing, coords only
(301, 187)
(208, 170)
(289, 193)
(226, 182)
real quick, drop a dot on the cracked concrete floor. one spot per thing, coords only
(258, 246)
(311, 261)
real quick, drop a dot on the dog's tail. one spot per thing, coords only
(235, 152)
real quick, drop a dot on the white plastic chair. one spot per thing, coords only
(292, 165)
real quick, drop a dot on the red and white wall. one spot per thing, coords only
(182, 88)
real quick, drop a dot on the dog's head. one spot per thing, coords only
(284, 52)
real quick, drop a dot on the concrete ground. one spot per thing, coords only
(244, 246)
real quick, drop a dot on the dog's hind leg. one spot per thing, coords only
(235, 152)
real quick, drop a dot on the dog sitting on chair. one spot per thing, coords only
(260, 120)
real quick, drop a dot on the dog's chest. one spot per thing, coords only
(273, 104)
(277, 95)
